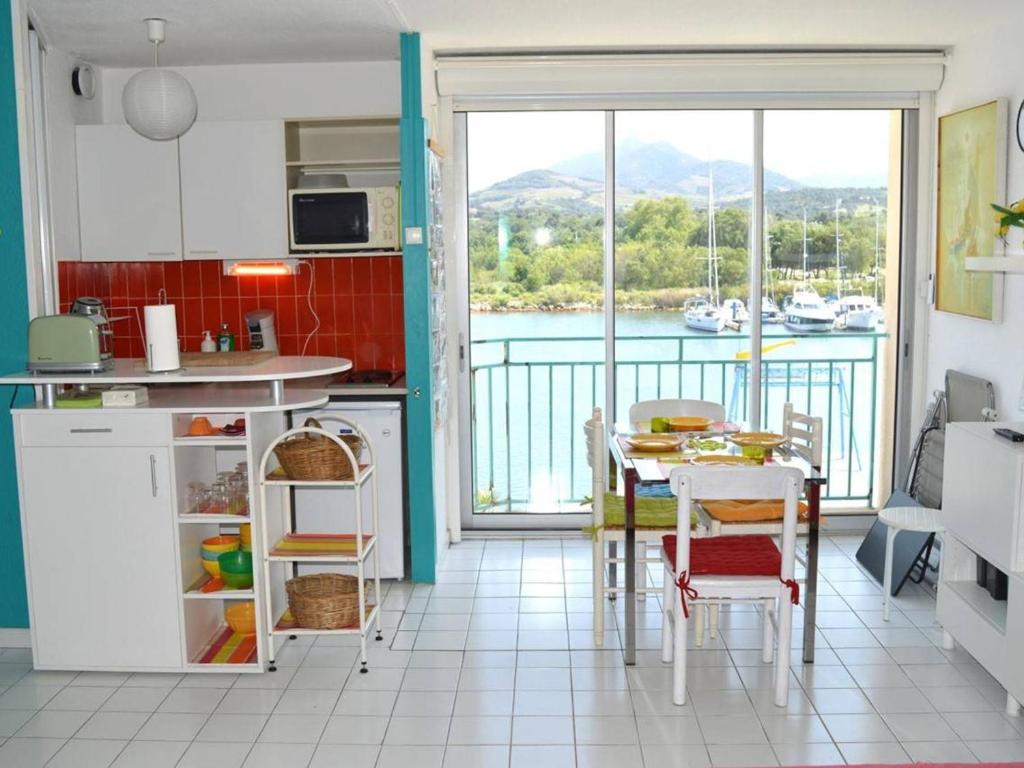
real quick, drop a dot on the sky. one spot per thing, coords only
(809, 146)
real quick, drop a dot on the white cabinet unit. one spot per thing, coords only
(233, 190)
(983, 514)
(129, 199)
(99, 538)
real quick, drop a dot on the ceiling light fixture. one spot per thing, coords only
(158, 103)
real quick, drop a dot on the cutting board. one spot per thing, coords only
(225, 359)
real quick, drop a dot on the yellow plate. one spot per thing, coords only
(689, 423)
(653, 443)
(724, 460)
(758, 439)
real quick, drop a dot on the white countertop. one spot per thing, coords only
(133, 371)
(202, 398)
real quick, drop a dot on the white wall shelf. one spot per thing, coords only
(1012, 262)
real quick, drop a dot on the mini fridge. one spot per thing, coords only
(327, 510)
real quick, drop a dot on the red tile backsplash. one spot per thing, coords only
(359, 301)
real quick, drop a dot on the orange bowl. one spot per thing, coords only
(689, 423)
(241, 617)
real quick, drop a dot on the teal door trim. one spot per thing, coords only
(13, 352)
(416, 287)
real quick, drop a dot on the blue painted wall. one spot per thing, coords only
(13, 321)
(416, 285)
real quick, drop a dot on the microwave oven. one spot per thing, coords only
(344, 219)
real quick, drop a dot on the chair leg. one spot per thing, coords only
(668, 598)
(613, 548)
(767, 632)
(641, 571)
(713, 619)
(679, 659)
(698, 624)
(599, 592)
(785, 634)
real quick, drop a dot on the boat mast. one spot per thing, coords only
(839, 258)
(878, 211)
(805, 244)
(712, 241)
(769, 284)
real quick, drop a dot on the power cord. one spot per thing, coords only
(309, 303)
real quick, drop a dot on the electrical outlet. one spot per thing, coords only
(414, 235)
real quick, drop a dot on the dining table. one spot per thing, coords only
(638, 469)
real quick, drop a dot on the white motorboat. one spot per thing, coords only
(859, 313)
(808, 313)
(735, 311)
(703, 315)
(770, 312)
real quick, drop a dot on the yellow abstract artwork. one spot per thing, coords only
(971, 175)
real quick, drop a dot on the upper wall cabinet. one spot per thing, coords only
(129, 203)
(233, 202)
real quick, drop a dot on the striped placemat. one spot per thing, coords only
(229, 647)
(318, 544)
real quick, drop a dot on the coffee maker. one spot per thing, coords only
(260, 324)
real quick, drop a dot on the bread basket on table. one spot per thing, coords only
(310, 456)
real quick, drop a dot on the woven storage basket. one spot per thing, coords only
(315, 457)
(324, 600)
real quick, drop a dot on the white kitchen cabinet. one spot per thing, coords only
(233, 190)
(100, 552)
(129, 198)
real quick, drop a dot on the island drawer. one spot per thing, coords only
(85, 429)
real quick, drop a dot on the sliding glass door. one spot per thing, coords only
(657, 210)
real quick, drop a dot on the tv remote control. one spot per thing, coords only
(1009, 434)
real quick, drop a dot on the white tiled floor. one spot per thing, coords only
(494, 666)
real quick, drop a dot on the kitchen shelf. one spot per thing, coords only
(211, 440)
(203, 517)
(285, 626)
(194, 591)
(329, 553)
(227, 647)
(386, 164)
(991, 610)
(365, 472)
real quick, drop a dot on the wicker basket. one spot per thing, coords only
(324, 600)
(315, 457)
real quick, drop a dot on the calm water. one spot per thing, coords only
(529, 414)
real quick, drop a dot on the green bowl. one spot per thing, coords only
(236, 569)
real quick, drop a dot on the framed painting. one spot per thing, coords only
(971, 176)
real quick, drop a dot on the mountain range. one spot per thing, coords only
(656, 169)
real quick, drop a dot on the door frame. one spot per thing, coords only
(905, 329)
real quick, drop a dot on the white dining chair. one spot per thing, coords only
(731, 568)
(654, 517)
(645, 410)
(804, 436)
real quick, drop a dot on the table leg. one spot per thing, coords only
(890, 542)
(613, 552)
(629, 653)
(811, 599)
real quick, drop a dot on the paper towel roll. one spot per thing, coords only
(161, 338)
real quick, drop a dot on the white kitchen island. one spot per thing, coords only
(112, 553)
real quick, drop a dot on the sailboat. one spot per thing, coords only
(770, 312)
(704, 314)
(735, 311)
(861, 313)
(806, 311)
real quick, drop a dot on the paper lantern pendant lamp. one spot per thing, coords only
(158, 103)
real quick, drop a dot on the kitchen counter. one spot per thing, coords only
(133, 371)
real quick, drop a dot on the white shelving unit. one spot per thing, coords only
(983, 512)
(276, 525)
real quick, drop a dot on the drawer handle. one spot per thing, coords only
(152, 473)
(90, 430)
(204, 253)
(161, 253)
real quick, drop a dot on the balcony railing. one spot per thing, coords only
(531, 397)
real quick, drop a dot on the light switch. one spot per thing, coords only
(414, 235)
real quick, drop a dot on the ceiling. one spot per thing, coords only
(111, 32)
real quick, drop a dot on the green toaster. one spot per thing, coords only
(66, 343)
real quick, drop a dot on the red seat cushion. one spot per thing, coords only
(729, 555)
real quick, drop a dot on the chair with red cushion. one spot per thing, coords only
(731, 568)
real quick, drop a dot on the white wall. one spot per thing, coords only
(986, 64)
(65, 110)
(260, 91)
